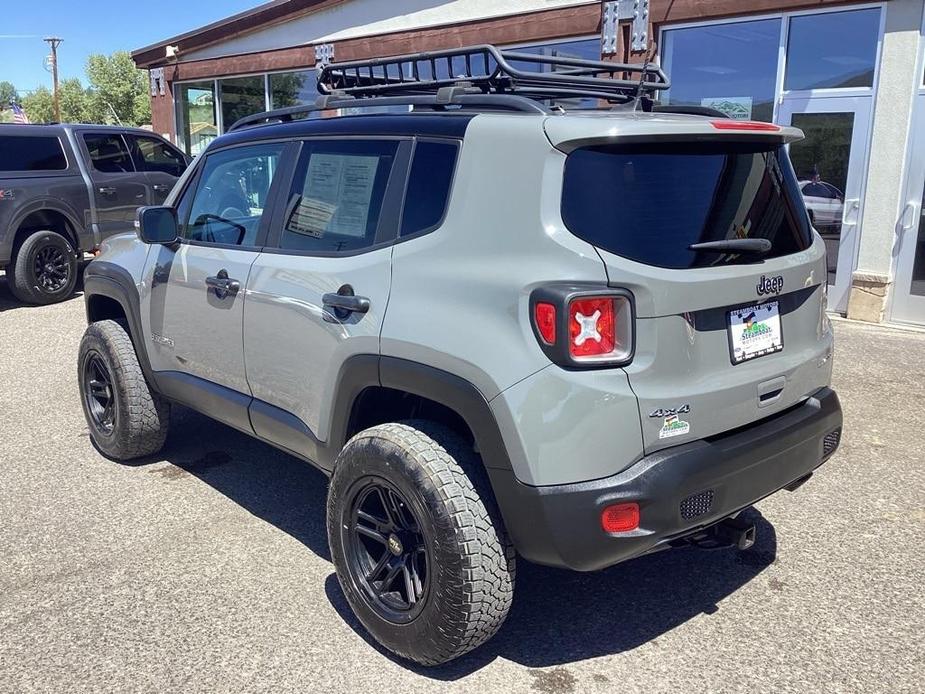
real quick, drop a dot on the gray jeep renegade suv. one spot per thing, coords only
(500, 327)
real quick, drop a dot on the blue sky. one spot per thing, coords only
(93, 26)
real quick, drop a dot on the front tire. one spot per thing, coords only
(44, 270)
(423, 559)
(125, 417)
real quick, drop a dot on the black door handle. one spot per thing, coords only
(343, 304)
(222, 285)
(161, 188)
(107, 190)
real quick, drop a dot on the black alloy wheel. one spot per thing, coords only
(387, 551)
(51, 268)
(99, 395)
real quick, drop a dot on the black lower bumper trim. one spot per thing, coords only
(560, 525)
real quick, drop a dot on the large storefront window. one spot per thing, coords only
(832, 50)
(196, 122)
(241, 96)
(729, 67)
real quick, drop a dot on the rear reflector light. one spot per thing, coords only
(545, 316)
(750, 125)
(620, 518)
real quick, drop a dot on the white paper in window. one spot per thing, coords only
(337, 195)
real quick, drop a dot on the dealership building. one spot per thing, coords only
(851, 75)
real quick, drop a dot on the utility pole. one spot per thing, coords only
(54, 42)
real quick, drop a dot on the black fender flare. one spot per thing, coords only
(455, 393)
(102, 278)
(42, 204)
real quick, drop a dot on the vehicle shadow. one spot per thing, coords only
(558, 616)
(8, 302)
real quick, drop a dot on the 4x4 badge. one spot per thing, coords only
(663, 412)
(770, 285)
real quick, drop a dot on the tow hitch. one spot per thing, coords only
(731, 532)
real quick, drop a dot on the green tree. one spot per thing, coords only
(120, 87)
(77, 105)
(39, 105)
(8, 93)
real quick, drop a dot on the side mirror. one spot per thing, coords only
(157, 225)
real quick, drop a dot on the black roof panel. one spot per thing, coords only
(400, 124)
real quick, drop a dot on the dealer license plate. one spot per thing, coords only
(755, 331)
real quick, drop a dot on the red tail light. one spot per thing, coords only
(545, 316)
(620, 518)
(591, 330)
(600, 328)
(579, 326)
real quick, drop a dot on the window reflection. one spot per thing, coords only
(196, 124)
(240, 97)
(293, 88)
(729, 67)
(832, 50)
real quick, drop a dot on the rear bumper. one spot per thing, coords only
(717, 477)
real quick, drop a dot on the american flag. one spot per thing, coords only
(19, 116)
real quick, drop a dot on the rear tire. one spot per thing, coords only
(44, 270)
(461, 563)
(125, 417)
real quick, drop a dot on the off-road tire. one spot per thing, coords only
(21, 275)
(471, 563)
(141, 416)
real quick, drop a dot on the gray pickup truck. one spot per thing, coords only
(64, 188)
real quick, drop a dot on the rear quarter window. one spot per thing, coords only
(428, 186)
(31, 153)
(650, 202)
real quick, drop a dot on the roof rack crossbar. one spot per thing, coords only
(450, 98)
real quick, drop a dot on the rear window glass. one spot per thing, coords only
(650, 202)
(31, 153)
(428, 186)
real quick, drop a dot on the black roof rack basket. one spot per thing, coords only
(492, 71)
(483, 77)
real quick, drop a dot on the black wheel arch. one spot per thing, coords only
(110, 294)
(46, 215)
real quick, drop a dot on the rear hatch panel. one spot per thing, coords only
(698, 184)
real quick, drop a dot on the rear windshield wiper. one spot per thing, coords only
(759, 246)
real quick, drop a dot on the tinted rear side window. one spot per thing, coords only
(31, 153)
(428, 186)
(649, 202)
(109, 154)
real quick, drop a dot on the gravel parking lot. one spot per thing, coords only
(207, 569)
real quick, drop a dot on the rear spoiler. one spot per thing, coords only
(567, 134)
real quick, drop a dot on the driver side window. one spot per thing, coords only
(231, 195)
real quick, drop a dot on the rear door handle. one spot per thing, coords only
(223, 285)
(160, 188)
(343, 304)
(107, 190)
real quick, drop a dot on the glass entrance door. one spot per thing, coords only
(830, 165)
(909, 289)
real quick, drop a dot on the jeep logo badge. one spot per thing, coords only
(770, 285)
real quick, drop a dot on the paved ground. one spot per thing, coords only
(207, 569)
